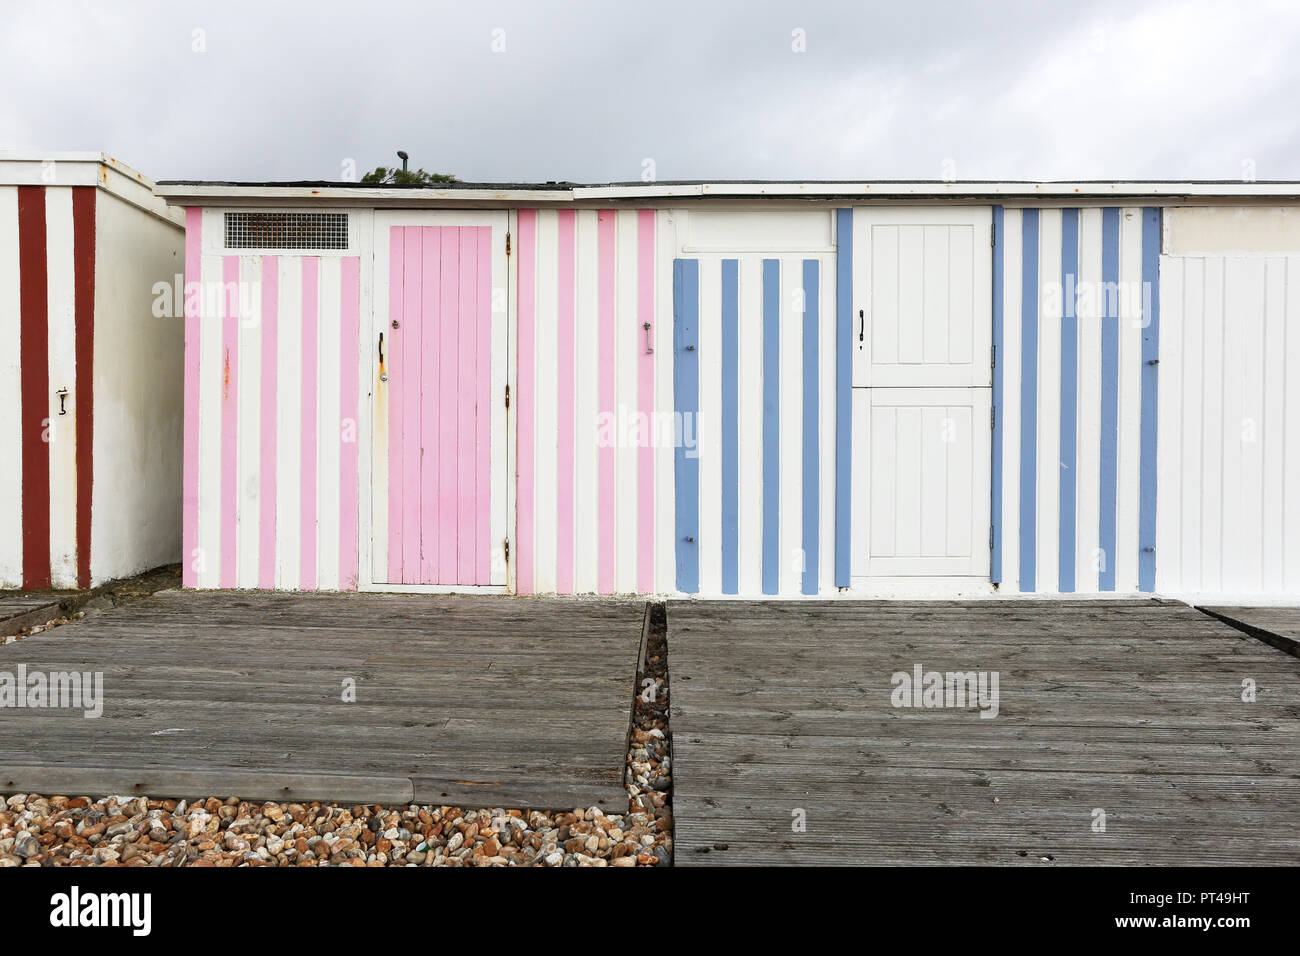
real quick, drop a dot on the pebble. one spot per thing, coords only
(61, 830)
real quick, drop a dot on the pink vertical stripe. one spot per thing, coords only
(466, 434)
(308, 467)
(409, 389)
(430, 301)
(483, 400)
(564, 438)
(396, 369)
(349, 490)
(525, 381)
(645, 370)
(229, 418)
(193, 299)
(605, 400)
(449, 372)
(267, 451)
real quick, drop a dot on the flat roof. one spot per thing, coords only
(34, 168)
(193, 192)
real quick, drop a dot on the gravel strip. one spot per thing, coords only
(136, 831)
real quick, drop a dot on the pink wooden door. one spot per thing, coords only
(437, 409)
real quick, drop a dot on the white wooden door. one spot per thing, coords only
(921, 460)
(922, 371)
(439, 452)
(922, 296)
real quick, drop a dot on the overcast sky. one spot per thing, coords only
(533, 91)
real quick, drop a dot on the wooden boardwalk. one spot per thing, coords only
(1279, 626)
(19, 609)
(782, 712)
(459, 700)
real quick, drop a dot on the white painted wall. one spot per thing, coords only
(11, 476)
(136, 506)
(1228, 514)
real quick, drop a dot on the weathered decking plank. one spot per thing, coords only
(1278, 626)
(782, 711)
(461, 700)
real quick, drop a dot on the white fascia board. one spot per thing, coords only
(962, 190)
(205, 194)
(32, 168)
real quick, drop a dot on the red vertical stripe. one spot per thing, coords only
(83, 257)
(34, 317)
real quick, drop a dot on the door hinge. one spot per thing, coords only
(507, 396)
(990, 537)
(507, 242)
(993, 417)
(505, 546)
(993, 234)
(993, 356)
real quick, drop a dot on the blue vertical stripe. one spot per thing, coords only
(843, 389)
(686, 402)
(1109, 395)
(1028, 398)
(1069, 395)
(730, 426)
(811, 443)
(995, 510)
(1150, 400)
(771, 425)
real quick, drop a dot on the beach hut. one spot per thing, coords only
(90, 395)
(813, 389)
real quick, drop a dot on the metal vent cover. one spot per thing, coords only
(286, 230)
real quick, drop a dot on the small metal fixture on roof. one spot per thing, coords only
(401, 154)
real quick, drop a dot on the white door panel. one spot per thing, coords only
(922, 297)
(921, 481)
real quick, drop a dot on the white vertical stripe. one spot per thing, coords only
(1088, 459)
(210, 374)
(62, 358)
(1012, 259)
(11, 430)
(790, 404)
(586, 406)
(860, 479)
(750, 464)
(827, 366)
(1169, 446)
(288, 442)
(546, 398)
(1211, 517)
(249, 403)
(627, 342)
(1273, 426)
(1291, 410)
(665, 490)
(328, 443)
(1249, 321)
(710, 425)
(1049, 399)
(1130, 399)
(1190, 404)
(1239, 314)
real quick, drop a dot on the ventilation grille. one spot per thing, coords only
(286, 230)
